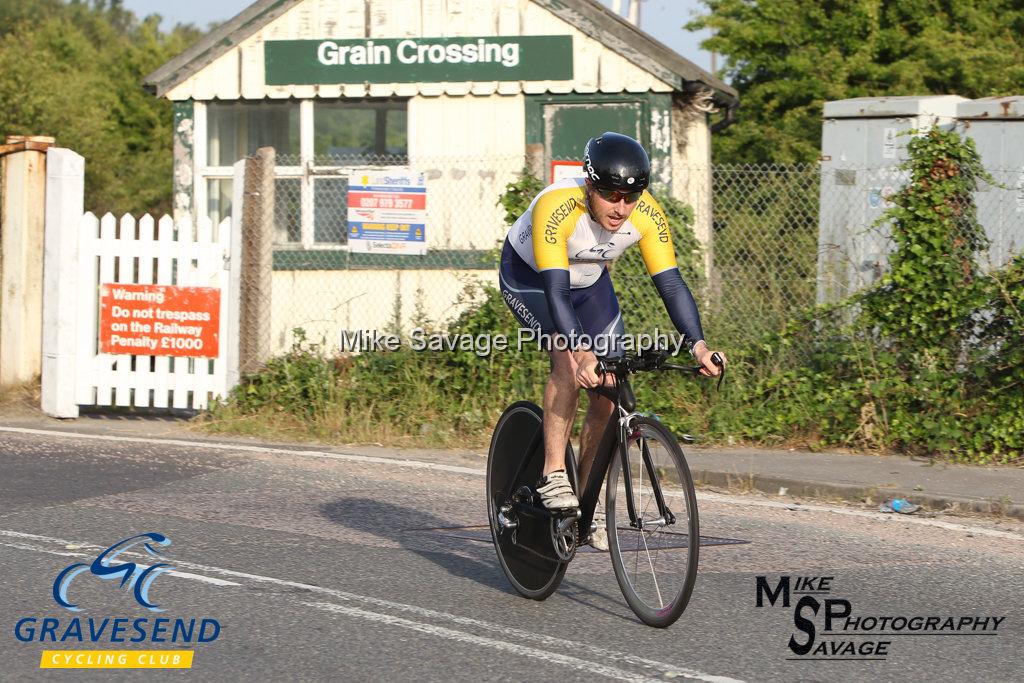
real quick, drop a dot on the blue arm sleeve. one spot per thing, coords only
(556, 290)
(679, 303)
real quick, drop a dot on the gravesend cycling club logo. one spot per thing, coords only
(138, 577)
(828, 629)
(131, 577)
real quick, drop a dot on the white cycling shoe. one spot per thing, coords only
(599, 537)
(556, 492)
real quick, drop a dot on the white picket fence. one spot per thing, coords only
(81, 252)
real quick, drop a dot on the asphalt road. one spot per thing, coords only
(349, 567)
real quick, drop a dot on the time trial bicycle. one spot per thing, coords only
(650, 503)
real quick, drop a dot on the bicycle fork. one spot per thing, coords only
(635, 521)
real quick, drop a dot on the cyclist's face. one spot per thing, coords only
(611, 209)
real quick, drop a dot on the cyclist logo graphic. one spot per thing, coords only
(138, 577)
(601, 250)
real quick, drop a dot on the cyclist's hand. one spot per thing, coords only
(587, 375)
(703, 355)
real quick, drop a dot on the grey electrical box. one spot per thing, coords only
(996, 124)
(861, 146)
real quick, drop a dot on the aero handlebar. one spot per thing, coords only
(650, 361)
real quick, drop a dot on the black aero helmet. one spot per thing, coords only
(617, 162)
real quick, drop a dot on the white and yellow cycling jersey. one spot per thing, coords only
(558, 232)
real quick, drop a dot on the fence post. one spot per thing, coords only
(65, 190)
(21, 261)
(257, 235)
(233, 341)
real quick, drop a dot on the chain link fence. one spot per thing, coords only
(326, 283)
(783, 238)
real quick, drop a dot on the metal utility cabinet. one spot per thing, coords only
(996, 124)
(861, 148)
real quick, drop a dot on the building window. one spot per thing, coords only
(317, 144)
(330, 210)
(352, 133)
(288, 210)
(218, 199)
(236, 130)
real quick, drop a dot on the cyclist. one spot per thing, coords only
(554, 278)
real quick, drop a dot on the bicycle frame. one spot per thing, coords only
(615, 439)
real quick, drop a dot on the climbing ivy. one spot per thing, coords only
(929, 360)
(927, 300)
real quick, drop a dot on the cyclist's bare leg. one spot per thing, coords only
(598, 412)
(561, 397)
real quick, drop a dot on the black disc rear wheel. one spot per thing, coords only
(521, 550)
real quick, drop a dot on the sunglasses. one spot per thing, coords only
(614, 196)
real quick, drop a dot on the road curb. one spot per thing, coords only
(853, 492)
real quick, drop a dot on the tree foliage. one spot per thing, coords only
(74, 71)
(787, 57)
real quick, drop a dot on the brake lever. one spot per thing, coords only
(717, 359)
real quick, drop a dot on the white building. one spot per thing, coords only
(467, 92)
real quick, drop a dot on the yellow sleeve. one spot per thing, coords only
(655, 237)
(554, 220)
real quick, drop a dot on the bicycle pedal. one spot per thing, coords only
(688, 438)
(505, 518)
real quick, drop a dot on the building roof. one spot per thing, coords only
(588, 16)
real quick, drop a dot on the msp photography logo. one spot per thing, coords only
(827, 628)
(136, 579)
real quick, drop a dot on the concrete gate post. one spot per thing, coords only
(23, 162)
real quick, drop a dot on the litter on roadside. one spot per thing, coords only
(900, 505)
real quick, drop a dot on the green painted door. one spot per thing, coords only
(568, 126)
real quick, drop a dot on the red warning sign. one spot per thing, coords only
(160, 320)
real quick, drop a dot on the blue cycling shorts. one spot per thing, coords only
(596, 306)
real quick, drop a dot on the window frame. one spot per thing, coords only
(307, 171)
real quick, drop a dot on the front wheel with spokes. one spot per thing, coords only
(655, 558)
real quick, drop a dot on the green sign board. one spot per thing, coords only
(418, 60)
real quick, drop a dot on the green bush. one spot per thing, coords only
(303, 382)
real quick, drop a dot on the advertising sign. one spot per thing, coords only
(418, 60)
(560, 170)
(387, 212)
(159, 320)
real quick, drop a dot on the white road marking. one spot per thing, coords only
(480, 472)
(183, 575)
(200, 577)
(328, 455)
(662, 668)
(515, 648)
(34, 548)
